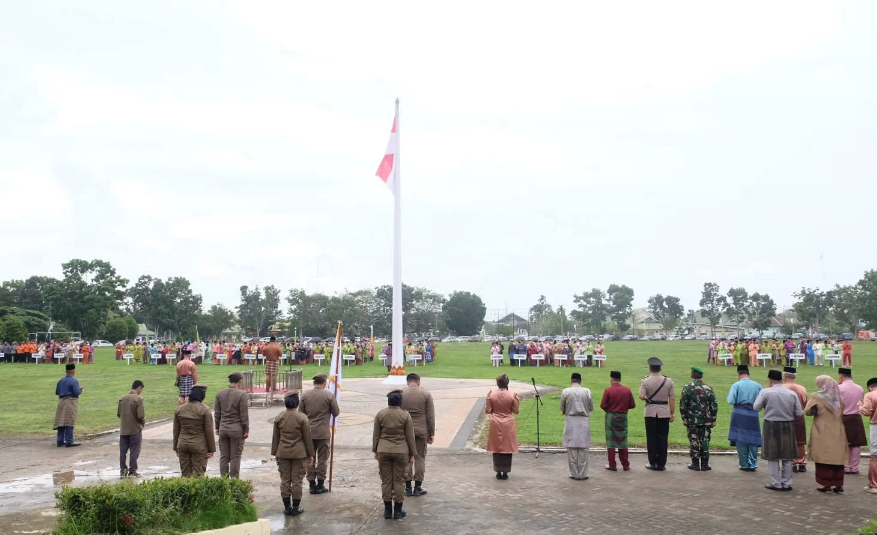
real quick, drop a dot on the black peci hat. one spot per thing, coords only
(615, 375)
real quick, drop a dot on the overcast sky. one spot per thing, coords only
(546, 148)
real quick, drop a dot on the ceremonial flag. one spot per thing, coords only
(387, 169)
(335, 375)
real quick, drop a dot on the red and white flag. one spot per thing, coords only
(387, 169)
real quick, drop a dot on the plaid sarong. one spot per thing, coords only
(271, 367)
(186, 384)
(616, 430)
(66, 413)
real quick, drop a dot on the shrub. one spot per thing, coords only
(157, 507)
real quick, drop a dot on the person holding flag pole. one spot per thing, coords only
(335, 391)
(320, 405)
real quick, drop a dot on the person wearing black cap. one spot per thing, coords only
(780, 406)
(293, 449)
(231, 416)
(869, 409)
(193, 433)
(577, 404)
(789, 375)
(853, 395)
(394, 448)
(616, 401)
(744, 432)
(320, 406)
(418, 403)
(68, 392)
(660, 397)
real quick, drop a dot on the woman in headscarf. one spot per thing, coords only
(292, 447)
(502, 439)
(193, 433)
(828, 442)
(394, 448)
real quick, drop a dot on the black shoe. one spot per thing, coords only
(499, 476)
(787, 489)
(132, 473)
(705, 465)
(651, 467)
(123, 472)
(398, 513)
(388, 510)
(771, 487)
(823, 489)
(294, 511)
(313, 487)
(505, 475)
(321, 489)
(838, 490)
(694, 466)
(418, 490)
(73, 445)
(61, 445)
(802, 469)
(287, 507)
(795, 468)
(408, 488)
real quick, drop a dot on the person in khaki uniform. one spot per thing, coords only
(418, 402)
(193, 433)
(393, 446)
(292, 446)
(660, 397)
(318, 405)
(232, 420)
(133, 417)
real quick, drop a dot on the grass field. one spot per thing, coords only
(27, 401)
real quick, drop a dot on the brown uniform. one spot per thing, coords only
(232, 419)
(272, 354)
(418, 402)
(193, 437)
(318, 405)
(291, 445)
(393, 441)
(133, 417)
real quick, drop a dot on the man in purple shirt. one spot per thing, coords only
(790, 348)
(852, 395)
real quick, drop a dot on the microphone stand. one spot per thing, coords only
(538, 433)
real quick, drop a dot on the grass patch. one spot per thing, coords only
(160, 506)
(28, 399)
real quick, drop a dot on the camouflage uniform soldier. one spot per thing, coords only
(698, 408)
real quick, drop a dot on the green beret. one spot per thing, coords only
(697, 369)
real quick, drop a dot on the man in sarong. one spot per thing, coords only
(799, 464)
(616, 401)
(576, 404)
(869, 408)
(660, 397)
(187, 376)
(744, 432)
(781, 406)
(698, 409)
(272, 354)
(852, 395)
(68, 392)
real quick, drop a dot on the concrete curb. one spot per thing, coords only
(259, 527)
(116, 430)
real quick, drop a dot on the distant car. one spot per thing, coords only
(846, 336)
(628, 337)
(381, 340)
(101, 343)
(690, 337)
(674, 337)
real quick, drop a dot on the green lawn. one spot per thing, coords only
(27, 401)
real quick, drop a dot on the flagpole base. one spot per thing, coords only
(395, 380)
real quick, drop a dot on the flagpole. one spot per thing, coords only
(336, 361)
(397, 373)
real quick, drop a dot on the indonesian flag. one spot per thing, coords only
(387, 169)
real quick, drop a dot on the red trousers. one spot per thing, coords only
(622, 455)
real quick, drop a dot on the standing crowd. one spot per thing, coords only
(747, 351)
(559, 353)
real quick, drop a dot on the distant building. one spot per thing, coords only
(519, 324)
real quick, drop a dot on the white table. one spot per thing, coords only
(348, 359)
(764, 356)
(128, 357)
(726, 358)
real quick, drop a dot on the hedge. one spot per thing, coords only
(156, 507)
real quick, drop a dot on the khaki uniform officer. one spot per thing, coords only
(418, 402)
(232, 418)
(293, 448)
(193, 433)
(393, 446)
(318, 405)
(660, 397)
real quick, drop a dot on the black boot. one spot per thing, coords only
(287, 508)
(388, 510)
(398, 513)
(407, 488)
(313, 487)
(296, 508)
(705, 464)
(418, 489)
(321, 489)
(695, 465)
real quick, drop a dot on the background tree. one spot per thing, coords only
(620, 305)
(86, 295)
(540, 309)
(258, 310)
(812, 306)
(867, 298)
(712, 303)
(14, 329)
(736, 305)
(116, 330)
(214, 321)
(592, 310)
(667, 310)
(10, 293)
(132, 328)
(33, 321)
(464, 313)
(763, 309)
(169, 307)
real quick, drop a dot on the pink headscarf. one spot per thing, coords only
(828, 390)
